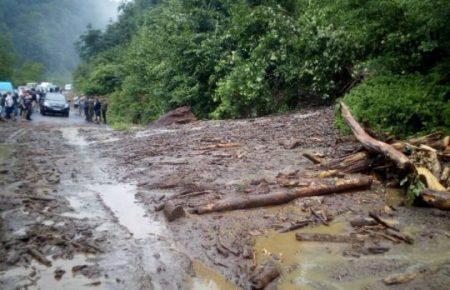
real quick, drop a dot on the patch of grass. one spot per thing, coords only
(121, 126)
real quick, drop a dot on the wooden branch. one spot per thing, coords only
(338, 186)
(372, 144)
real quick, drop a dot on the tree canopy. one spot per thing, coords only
(246, 58)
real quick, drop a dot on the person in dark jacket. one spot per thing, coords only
(97, 108)
(104, 110)
(90, 109)
(28, 104)
(2, 105)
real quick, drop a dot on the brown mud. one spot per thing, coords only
(88, 199)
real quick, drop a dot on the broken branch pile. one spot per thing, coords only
(421, 159)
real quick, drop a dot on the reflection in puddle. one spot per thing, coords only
(120, 198)
(303, 263)
(322, 265)
(208, 279)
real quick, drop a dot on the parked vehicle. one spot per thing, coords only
(6, 87)
(55, 103)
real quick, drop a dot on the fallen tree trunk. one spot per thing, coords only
(284, 197)
(353, 163)
(372, 144)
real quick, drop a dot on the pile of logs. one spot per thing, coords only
(423, 159)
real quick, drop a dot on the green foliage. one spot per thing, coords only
(29, 72)
(231, 59)
(7, 58)
(401, 104)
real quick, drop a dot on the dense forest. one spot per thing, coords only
(388, 59)
(37, 36)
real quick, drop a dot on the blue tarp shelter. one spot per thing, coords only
(6, 87)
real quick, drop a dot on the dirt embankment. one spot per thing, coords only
(199, 163)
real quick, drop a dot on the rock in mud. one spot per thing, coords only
(173, 211)
(182, 115)
(264, 274)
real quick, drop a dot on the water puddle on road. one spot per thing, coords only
(322, 265)
(208, 279)
(120, 198)
(304, 264)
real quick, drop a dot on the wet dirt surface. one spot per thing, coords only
(87, 198)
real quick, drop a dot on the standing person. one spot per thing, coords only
(2, 105)
(86, 108)
(28, 104)
(33, 100)
(81, 105)
(104, 110)
(21, 104)
(90, 109)
(9, 104)
(97, 108)
(16, 105)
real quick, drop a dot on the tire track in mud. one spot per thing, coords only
(139, 256)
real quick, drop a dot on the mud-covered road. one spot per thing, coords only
(80, 208)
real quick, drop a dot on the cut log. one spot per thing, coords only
(316, 237)
(353, 163)
(437, 199)
(338, 186)
(373, 144)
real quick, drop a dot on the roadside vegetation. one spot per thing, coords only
(388, 59)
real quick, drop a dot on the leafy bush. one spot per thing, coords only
(401, 105)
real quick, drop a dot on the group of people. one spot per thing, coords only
(94, 109)
(14, 106)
